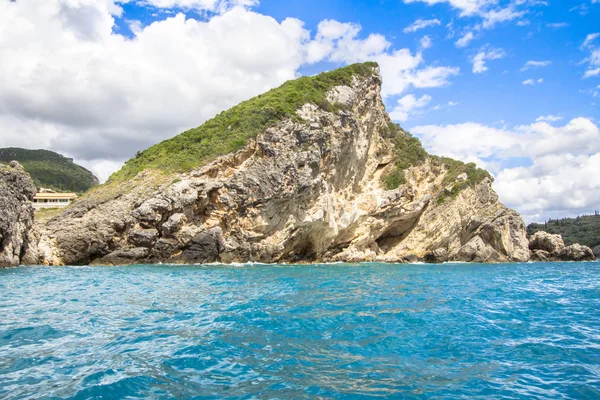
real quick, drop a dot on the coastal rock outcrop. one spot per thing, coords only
(332, 182)
(549, 247)
(17, 236)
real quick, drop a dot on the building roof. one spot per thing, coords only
(55, 196)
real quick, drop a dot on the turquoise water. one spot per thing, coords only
(335, 331)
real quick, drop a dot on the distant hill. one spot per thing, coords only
(51, 170)
(583, 230)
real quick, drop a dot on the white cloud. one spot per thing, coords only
(493, 17)
(81, 89)
(535, 64)
(594, 59)
(590, 38)
(466, 7)
(407, 106)
(465, 39)
(486, 53)
(560, 178)
(200, 5)
(485, 9)
(557, 25)
(532, 82)
(425, 42)
(591, 72)
(421, 24)
(549, 118)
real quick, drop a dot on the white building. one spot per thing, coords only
(53, 200)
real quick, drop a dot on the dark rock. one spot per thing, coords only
(437, 256)
(204, 247)
(410, 258)
(541, 255)
(124, 257)
(143, 237)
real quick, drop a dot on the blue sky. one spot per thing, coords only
(513, 85)
(494, 97)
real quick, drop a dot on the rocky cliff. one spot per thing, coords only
(335, 181)
(17, 236)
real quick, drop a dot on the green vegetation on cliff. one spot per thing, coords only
(230, 130)
(584, 230)
(51, 170)
(410, 152)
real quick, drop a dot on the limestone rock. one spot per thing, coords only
(553, 244)
(305, 189)
(476, 250)
(597, 251)
(437, 256)
(17, 234)
(577, 252)
(549, 247)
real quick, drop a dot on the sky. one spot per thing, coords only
(512, 85)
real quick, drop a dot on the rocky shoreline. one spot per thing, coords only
(308, 189)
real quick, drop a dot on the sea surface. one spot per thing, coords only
(288, 332)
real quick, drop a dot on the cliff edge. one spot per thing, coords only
(312, 171)
(17, 237)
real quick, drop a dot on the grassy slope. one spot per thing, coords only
(230, 130)
(583, 230)
(50, 170)
(410, 152)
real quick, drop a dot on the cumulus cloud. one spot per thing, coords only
(407, 106)
(425, 42)
(464, 40)
(535, 64)
(486, 53)
(81, 89)
(421, 24)
(559, 176)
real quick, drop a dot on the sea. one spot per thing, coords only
(337, 331)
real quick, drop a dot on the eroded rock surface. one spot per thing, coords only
(17, 237)
(548, 247)
(306, 189)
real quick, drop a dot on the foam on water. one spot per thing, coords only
(324, 331)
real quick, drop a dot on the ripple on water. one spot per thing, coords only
(329, 331)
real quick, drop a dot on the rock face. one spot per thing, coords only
(17, 237)
(597, 251)
(547, 247)
(305, 189)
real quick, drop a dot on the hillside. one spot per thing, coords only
(314, 170)
(51, 170)
(584, 230)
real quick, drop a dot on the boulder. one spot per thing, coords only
(577, 252)
(476, 250)
(143, 237)
(596, 251)
(553, 244)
